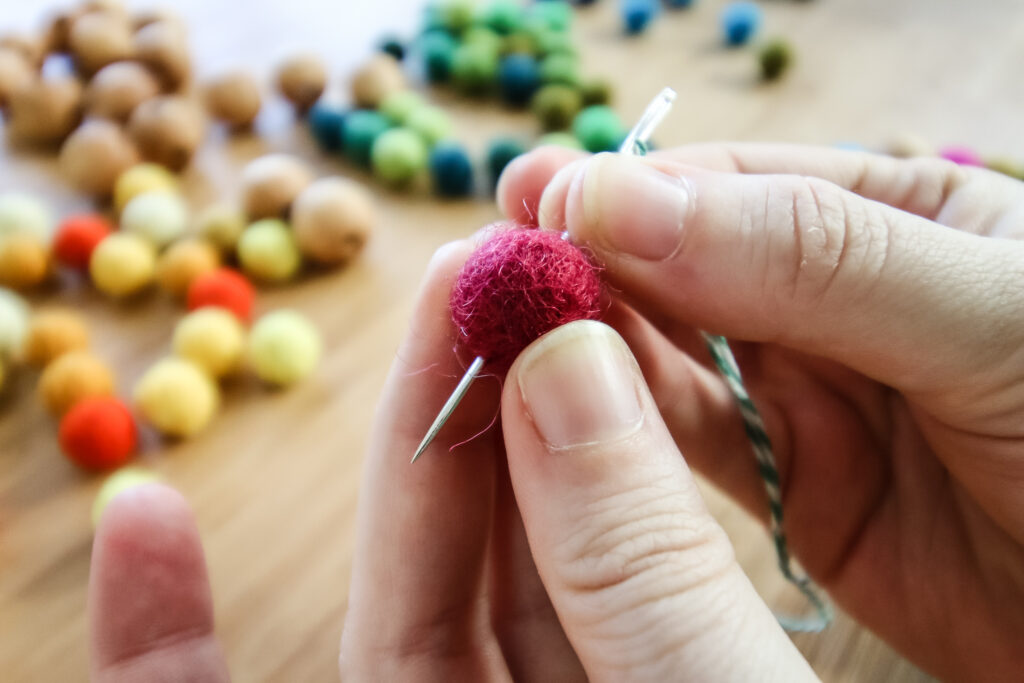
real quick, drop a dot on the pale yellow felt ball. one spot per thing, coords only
(122, 264)
(183, 262)
(161, 217)
(221, 224)
(140, 179)
(177, 397)
(332, 219)
(25, 215)
(117, 483)
(212, 338)
(24, 261)
(74, 376)
(271, 183)
(14, 315)
(284, 347)
(267, 250)
(53, 333)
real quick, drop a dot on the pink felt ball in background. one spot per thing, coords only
(518, 285)
(965, 156)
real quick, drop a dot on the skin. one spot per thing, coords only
(877, 304)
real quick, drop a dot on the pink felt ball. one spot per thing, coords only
(965, 156)
(518, 285)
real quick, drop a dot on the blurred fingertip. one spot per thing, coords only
(524, 179)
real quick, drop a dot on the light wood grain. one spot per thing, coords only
(274, 481)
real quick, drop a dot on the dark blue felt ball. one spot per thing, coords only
(327, 125)
(518, 79)
(500, 154)
(637, 15)
(679, 4)
(740, 21)
(393, 46)
(451, 170)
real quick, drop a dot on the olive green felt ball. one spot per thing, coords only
(267, 250)
(555, 106)
(775, 57)
(398, 155)
(596, 91)
(598, 129)
(284, 347)
(560, 68)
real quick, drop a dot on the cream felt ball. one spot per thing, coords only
(140, 179)
(177, 397)
(212, 338)
(23, 214)
(284, 347)
(160, 217)
(14, 315)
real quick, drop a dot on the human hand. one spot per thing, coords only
(880, 308)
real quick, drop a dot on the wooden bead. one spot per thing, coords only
(302, 79)
(15, 72)
(31, 49)
(271, 183)
(377, 79)
(183, 262)
(98, 39)
(57, 34)
(118, 88)
(72, 377)
(45, 110)
(162, 47)
(24, 261)
(53, 333)
(234, 98)
(95, 155)
(167, 130)
(332, 219)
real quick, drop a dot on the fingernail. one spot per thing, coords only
(633, 207)
(579, 385)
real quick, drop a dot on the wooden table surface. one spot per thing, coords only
(274, 480)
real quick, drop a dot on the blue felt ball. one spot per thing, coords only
(637, 15)
(499, 155)
(679, 4)
(451, 170)
(740, 21)
(327, 125)
(518, 79)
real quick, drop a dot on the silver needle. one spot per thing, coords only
(640, 133)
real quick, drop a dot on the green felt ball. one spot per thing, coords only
(555, 15)
(284, 347)
(502, 16)
(598, 129)
(559, 139)
(398, 155)
(560, 68)
(362, 128)
(475, 68)
(775, 57)
(518, 43)
(431, 123)
(555, 106)
(457, 15)
(483, 37)
(596, 91)
(554, 43)
(397, 107)
(268, 251)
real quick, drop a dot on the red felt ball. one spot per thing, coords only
(225, 288)
(518, 285)
(77, 236)
(98, 433)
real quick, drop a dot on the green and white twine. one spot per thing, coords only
(637, 143)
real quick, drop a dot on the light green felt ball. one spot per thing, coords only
(475, 68)
(560, 68)
(160, 217)
(117, 483)
(14, 317)
(556, 16)
(598, 129)
(484, 37)
(399, 106)
(25, 215)
(267, 250)
(398, 155)
(284, 347)
(457, 15)
(432, 123)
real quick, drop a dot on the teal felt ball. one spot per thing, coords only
(451, 170)
(599, 129)
(362, 128)
(437, 50)
(500, 154)
(327, 125)
(519, 79)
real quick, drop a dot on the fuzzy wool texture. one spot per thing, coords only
(518, 285)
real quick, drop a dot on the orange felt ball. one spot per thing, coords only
(225, 288)
(77, 236)
(98, 433)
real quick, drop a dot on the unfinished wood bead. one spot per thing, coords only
(32, 49)
(45, 110)
(15, 72)
(95, 155)
(167, 130)
(98, 39)
(378, 78)
(302, 78)
(332, 219)
(234, 98)
(271, 183)
(162, 47)
(118, 88)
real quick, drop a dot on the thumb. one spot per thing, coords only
(643, 580)
(804, 263)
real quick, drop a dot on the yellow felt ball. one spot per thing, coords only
(267, 250)
(53, 333)
(117, 483)
(14, 315)
(183, 262)
(72, 377)
(177, 397)
(284, 347)
(24, 261)
(222, 225)
(139, 179)
(212, 338)
(122, 264)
